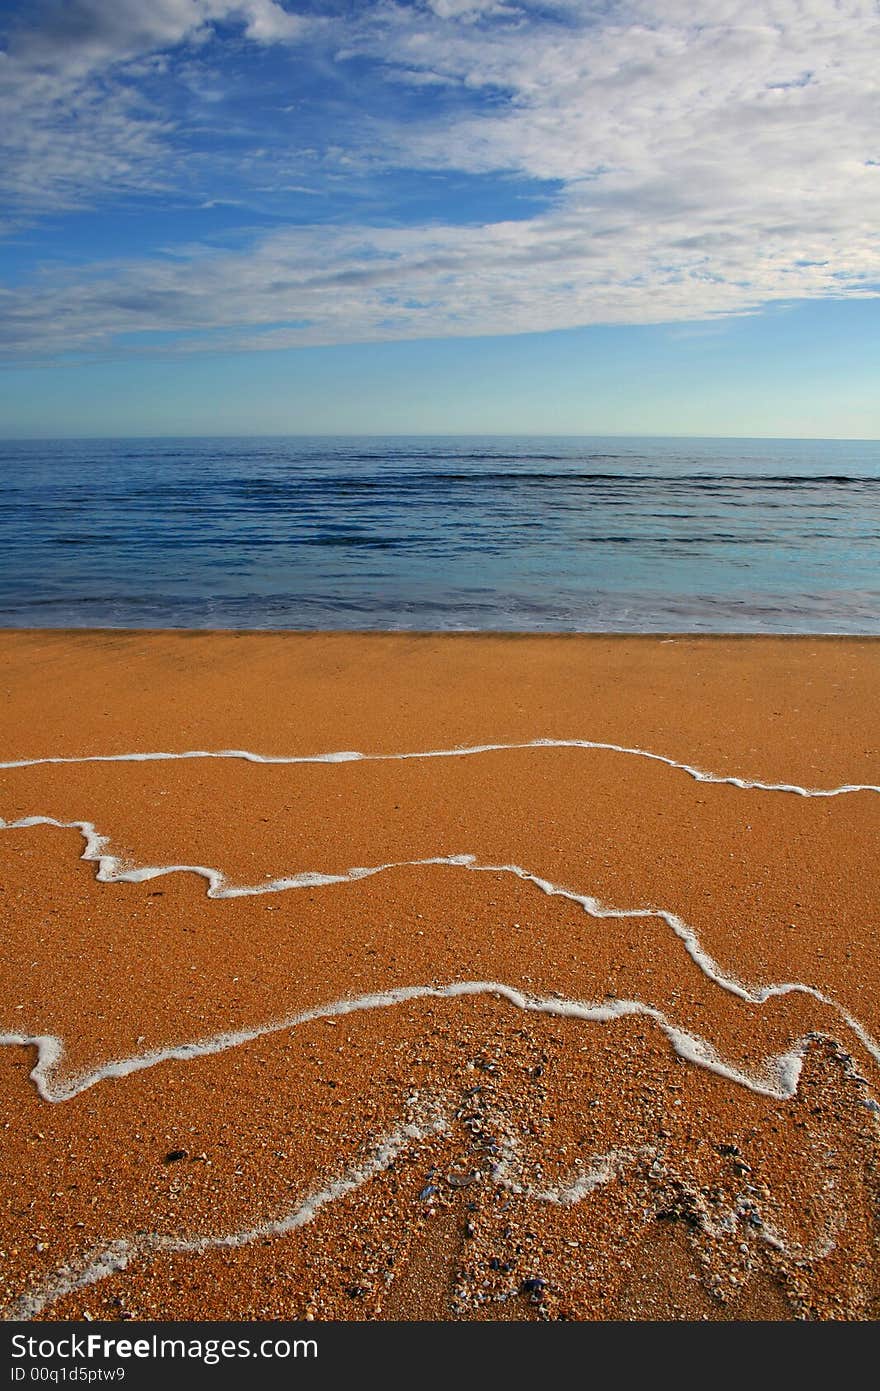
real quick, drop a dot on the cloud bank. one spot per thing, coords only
(701, 165)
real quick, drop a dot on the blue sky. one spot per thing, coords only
(439, 215)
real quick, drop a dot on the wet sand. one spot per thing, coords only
(531, 1031)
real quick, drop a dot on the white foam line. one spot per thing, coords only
(777, 1077)
(602, 1169)
(355, 756)
(118, 1255)
(112, 870)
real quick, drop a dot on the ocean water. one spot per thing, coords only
(527, 534)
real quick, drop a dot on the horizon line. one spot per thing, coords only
(433, 434)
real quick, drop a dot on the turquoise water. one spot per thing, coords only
(529, 534)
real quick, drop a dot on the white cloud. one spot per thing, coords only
(705, 166)
(60, 146)
(82, 35)
(73, 121)
(323, 285)
(467, 9)
(268, 22)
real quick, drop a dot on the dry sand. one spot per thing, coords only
(466, 1142)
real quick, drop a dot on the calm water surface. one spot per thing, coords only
(578, 534)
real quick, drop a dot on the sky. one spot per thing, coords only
(500, 216)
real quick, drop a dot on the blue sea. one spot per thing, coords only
(485, 533)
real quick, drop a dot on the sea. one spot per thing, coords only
(573, 534)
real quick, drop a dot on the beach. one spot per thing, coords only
(439, 976)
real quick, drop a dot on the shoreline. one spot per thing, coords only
(448, 1150)
(524, 634)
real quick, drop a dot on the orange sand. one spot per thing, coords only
(709, 1200)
